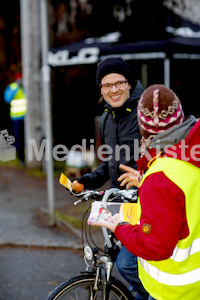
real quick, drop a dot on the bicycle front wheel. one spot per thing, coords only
(81, 288)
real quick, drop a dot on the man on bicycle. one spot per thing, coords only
(118, 126)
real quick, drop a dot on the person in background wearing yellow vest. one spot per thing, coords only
(14, 95)
(166, 239)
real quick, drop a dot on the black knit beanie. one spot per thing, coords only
(112, 65)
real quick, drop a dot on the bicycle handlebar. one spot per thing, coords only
(104, 197)
(88, 195)
(124, 195)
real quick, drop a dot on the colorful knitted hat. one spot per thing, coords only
(159, 109)
(112, 65)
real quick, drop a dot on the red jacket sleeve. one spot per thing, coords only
(163, 220)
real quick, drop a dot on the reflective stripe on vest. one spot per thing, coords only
(179, 276)
(171, 279)
(18, 106)
(183, 254)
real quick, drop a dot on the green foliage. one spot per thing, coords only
(75, 221)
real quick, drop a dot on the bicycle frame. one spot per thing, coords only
(102, 267)
(97, 278)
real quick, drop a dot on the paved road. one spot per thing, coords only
(34, 257)
(31, 273)
(22, 199)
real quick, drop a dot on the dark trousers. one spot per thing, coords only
(127, 266)
(18, 131)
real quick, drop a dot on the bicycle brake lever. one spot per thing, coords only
(83, 199)
(78, 194)
(76, 202)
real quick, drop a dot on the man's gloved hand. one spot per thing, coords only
(77, 187)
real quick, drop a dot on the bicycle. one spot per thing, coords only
(97, 282)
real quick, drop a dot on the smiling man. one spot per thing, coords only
(118, 126)
(115, 89)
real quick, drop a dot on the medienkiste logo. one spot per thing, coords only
(7, 151)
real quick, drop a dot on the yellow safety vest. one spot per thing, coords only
(18, 105)
(178, 277)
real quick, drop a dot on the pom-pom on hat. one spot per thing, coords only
(159, 109)
(112, 65)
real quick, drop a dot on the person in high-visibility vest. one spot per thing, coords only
(14, 95)
(166, 239)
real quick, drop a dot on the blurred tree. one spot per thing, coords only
(188, 9)
(10, 53)
(102, 18)
(136, 20)
(146, 21)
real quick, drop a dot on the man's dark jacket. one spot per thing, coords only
(120, 128)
